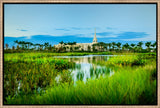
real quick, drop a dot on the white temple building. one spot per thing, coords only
(79, 46)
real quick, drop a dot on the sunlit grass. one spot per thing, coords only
(25, 75)
(134, 81)
(127, 86)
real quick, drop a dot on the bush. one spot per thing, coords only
(126, 60)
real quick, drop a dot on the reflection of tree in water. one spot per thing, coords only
(93, 59)
(89, 59)
(96, 71)
(87, 67)
(78, 66)
(80, 75)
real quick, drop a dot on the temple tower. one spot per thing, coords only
(95, 39)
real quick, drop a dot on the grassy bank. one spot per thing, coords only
(127, 86)
(44, 54)
(134, 81)
(28, 75)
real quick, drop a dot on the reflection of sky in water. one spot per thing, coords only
(81, 56)
(85, 69)
(88, 68)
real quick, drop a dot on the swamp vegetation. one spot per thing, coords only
(80, 78)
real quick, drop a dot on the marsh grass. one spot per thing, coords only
(134, 81)
(126, 60)
(26, 75)
(41, 55)
(127, 86)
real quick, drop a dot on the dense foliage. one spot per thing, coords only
(23, 46)
(30, 78)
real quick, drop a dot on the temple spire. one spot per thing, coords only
(95, 34)
(95, 39)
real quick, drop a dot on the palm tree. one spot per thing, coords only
(41, 46)
(46, 44)
(154, 45)
(71, 43)
(113, 45)
(140, 45)
(94, 47)
(23, 44)
(6, 45)
(76, 48)
(20, 43)
(133, 45)
(74, 43)
(105, 46)
(29, 44)
(109, 46)
(50, 47)
(118, 45)
(38, 45)
(101, 44)
(148, 45)
(89, 48)
(126, 46)
(16, 41)
(61, 42)
(35, 46)
(13, 47)
(17, 47)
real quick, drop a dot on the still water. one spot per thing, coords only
(87, 67)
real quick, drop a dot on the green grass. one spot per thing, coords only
(134, 81)
(126, 60)
(127, 86)
(40, 55)
(33, 73)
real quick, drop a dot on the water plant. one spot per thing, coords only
(127, 86)
(31, 79)
(25, 75)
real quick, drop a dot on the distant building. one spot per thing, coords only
(79, 46)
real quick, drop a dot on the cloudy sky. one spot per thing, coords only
(114, 22)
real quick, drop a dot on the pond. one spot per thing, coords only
(87, 68)
(26, 80)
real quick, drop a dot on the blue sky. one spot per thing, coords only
(113, 22)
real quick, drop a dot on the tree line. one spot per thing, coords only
(127, 47)
(100, 46)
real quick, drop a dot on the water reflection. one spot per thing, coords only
(87, 67)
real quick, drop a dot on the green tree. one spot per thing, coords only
(71, 44)
(154, 45)
(89, 48)
(94, 47)
(101, 45)
(118, 45)
(126, 46)
(105, 46)
(113, 45)
(140, 45)
(61, 42)
(13, 47)
(16, 41)
(50, 47)
(148, 45)
(46, 45)
(109, 46)
(6, 45)
(133, 46)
